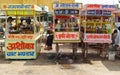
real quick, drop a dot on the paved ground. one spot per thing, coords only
(45, 64)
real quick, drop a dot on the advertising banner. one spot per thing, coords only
(17, 6)
(18, 36)
(22, 48)
(99, 12)
(67, 6)
(66, 36)
(97, 38)
(100, 6)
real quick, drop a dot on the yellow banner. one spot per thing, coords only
(20, 49)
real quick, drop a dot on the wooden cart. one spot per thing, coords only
(97, 21)
(22, 37)
(67, 24)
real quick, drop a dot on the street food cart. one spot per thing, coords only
(97, 21)
(117, 18)
(22, 37)
(66, 24)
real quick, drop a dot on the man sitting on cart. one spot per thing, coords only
(9, 23)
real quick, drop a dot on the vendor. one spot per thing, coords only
(26, 28)
(23, 27)
(9, 23)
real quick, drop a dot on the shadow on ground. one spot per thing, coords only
(3, 60)
(64, 58)
(50, 59)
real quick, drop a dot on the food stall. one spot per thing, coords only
(117, 18)
(23, 33)
(97, 21)
(66, 24)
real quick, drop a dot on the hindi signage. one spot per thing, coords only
(67, 36)
(24, 49)
(97, 38)
(67, 6)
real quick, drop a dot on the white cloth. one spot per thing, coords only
(117, 39)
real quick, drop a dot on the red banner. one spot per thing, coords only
(93, 6)
(100, 6)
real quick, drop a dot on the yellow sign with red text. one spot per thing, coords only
(20, 49)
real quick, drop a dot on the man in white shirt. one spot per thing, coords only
(117, 39)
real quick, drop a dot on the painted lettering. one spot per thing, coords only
(26, 53)
(18, 6)
(20, 46)
(11, 53)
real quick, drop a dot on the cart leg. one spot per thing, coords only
(84, 50)
(99, 49)
(103, 54)
(1, 46)
(74, 47)
(57, 50)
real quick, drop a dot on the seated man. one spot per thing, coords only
(9, 24)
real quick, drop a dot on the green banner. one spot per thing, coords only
(20, 12)
(28, 12)
(11, 12)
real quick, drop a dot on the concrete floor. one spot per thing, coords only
(45, 64)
